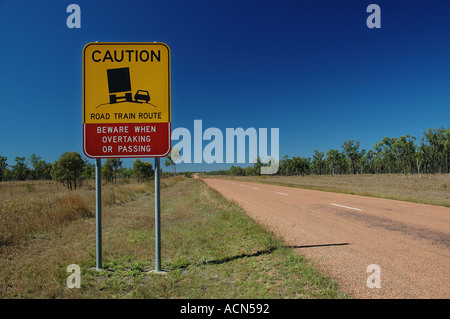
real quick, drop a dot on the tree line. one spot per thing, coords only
(71, 169)
(392, 155)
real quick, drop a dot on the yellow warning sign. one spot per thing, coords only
(126, 83)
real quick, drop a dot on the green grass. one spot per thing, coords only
(210, 249)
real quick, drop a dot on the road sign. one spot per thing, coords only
(126, 100)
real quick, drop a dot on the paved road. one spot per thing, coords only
(344, 234)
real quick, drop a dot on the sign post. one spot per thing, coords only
(126, 111)
(157, 217)
(98, 210)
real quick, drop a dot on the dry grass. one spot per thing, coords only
(211, 247)
(27, 209)
(44, 227)
(28, 214)
(427, 189)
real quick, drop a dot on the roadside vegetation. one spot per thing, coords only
(28, 209)
(391, 155)
(71, 170)
(210, 247)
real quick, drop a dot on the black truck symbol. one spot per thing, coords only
(119, 85)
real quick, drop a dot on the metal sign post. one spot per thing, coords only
(98, 209)
(157, 217)
(127, 112)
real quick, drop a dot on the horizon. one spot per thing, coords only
(313, 70)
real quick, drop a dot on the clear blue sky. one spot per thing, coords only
(310, 68)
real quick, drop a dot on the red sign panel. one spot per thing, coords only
(127, 140)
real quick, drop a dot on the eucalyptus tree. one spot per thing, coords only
(68, 169)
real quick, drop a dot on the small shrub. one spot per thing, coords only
(29, 188)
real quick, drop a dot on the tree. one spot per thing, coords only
(317, 162)
(3, 167)
(284, 166)
(170, 162)
(143, 170)
(20, 170)
(251, 171)
(107, 171)
(111, 168)
(34, 160)
(46, 171)
(383, 149)
(8, 175)
(335, 162)
(404, 150)
(236, 171)
(68, 169)
(257, 164)
(436, 150)
(300, 165)
(351, 150)
(41, 169)
(125, 172)
(116, 164)
(446, 150)
(362, 161)
(88, 171)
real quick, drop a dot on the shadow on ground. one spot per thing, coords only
(259, 253)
